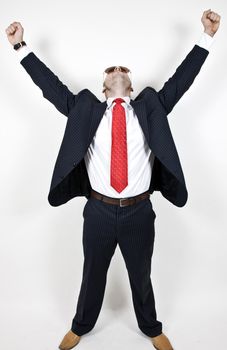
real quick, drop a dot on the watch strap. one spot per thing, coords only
(18, 45)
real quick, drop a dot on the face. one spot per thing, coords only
(117, 78)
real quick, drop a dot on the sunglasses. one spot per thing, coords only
(112, 68)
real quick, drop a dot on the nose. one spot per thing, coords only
(117, 68)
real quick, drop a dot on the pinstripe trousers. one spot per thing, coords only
(132, 227)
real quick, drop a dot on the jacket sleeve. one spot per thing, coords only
(183, 77)
(52, 88)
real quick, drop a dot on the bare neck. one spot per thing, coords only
(117, 92)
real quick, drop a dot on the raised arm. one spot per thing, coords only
(52, 88)
(174, 88)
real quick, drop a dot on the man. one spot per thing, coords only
(117, 153)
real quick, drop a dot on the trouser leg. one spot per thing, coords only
(99, 243)
(136, 234)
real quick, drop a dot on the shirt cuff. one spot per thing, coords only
(205, 41)
(23, 51)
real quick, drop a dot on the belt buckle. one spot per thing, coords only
(123, 199)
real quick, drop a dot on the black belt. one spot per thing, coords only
(120, 201)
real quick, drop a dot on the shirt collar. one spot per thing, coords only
(110, 100)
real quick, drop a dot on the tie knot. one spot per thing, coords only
(118, 100)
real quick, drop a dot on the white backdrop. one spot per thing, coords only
(41, 246)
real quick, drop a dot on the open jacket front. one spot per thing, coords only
(84, 112)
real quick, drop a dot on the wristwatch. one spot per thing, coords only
(18, 45)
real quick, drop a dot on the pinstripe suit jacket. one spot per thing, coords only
(84, 112)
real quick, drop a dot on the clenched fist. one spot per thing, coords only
(15, 33)
(211, 22)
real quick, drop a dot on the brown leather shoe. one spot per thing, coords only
(161, 342)
(69, 341)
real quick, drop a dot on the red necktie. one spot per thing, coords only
(119, 160)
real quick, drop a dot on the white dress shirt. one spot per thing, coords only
(140, 156)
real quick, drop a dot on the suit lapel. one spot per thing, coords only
(97, 114)
(140, 110)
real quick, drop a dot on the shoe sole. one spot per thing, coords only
(159, 349)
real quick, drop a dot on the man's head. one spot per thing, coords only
(117, 81)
